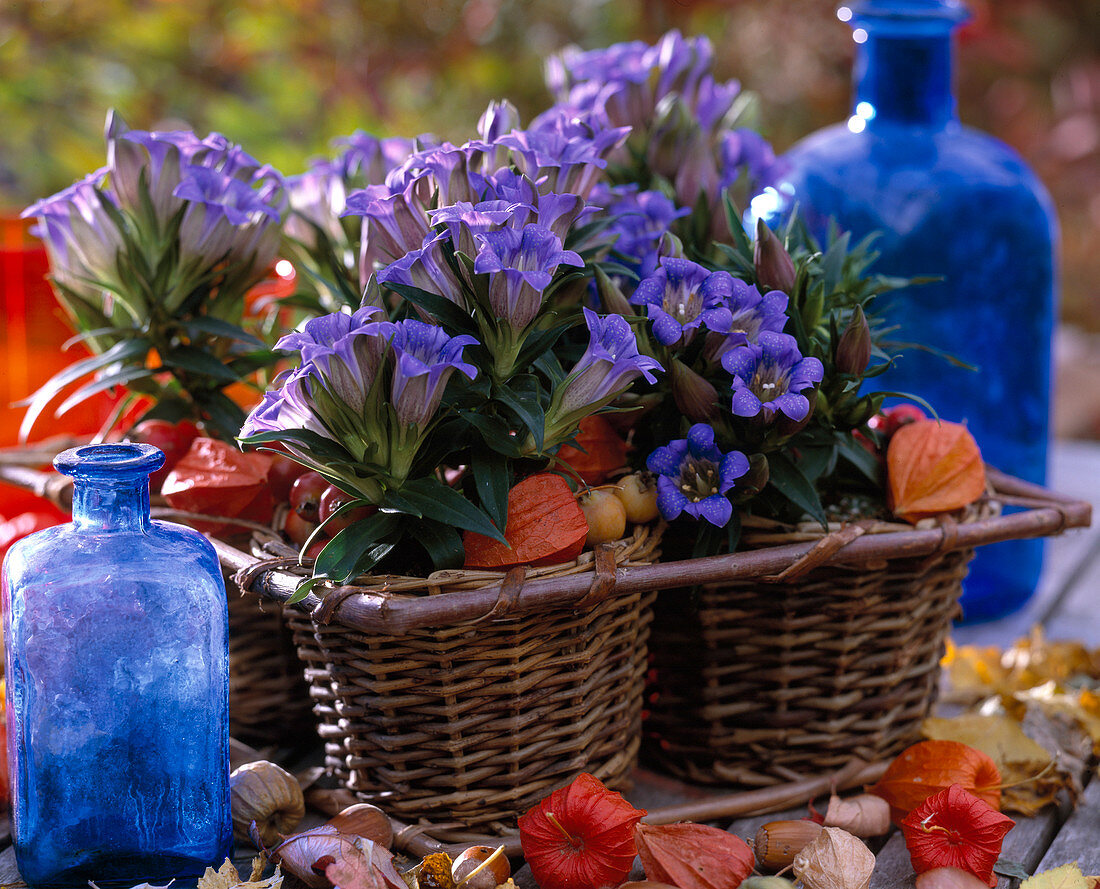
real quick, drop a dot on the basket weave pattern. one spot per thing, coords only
(760, 683)
(462, 727)
(468, 726)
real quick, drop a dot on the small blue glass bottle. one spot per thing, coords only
(955, 203)
(116, 629)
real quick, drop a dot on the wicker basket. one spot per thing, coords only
(766, 680)
(461, 715)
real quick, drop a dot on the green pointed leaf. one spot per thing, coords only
(219, 328)
(119, 378)
(521, 397)
(434, 500)
(356, 549)
(196, 361)
(786, 478)
(443, 544)
(859, 457)
(452, 317)
(125, 351)
(492, 478)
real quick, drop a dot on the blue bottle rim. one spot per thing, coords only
(124, 459)
(906, 14)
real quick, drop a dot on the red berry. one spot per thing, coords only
(172, 438)
(297, 528)
(305, 495)
(331, 500)
(282, 475)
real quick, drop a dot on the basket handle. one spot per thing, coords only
(603, 585)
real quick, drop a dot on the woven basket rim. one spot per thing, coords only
(371, 609)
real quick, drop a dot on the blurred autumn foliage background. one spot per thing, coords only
(284, 77)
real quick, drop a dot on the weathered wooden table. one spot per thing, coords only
(1067, 606)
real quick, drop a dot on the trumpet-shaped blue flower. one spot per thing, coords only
(752, 314)
(608, 366)
(681, 296)
(694, 476)
(520, 263)
(425, 357)
(769, 377)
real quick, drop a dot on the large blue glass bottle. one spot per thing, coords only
(950, 202)
(118, 687)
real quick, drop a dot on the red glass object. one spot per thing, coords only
(32, 332)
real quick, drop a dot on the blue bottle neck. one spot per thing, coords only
(102, 504)
(904, 78)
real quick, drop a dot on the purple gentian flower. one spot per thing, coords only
(748, 151)
(693, 476)
(343, 350)
(640, 220)
(218, 207)
(769, 376)
(561, 162)
(395, 224)
(367, 160)
(465, 220)
(289, 406)
(608, 366)
(426, 268)
(520, 263)
(82, 239)
(499, 119)
(425, 357)
(682, 296)
(752, 314)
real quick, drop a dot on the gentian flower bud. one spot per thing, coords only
(774, 267)
(853, 350)
(695, 397)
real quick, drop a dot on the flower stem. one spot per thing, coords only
(552, 818)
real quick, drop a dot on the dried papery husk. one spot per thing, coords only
(365, 820)
(267, 794)
(778, 842)
(481, 867)
(835, 860)
(693, 856)
(865, 815)
(928, 767)
(932, 466)
(948, 878)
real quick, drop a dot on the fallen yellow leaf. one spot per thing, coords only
(1029, 784)
(1068, 876)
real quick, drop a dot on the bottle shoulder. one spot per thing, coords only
(957, 155)
(162, 548)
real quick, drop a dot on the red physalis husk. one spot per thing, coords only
(928, 767)
(954, 828)
(693, 856)
(597, 451)
(580, 837)
(215, 478)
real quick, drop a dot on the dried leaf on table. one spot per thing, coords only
(693, 856)
(1083, 707)
(928, 767)
(435, 872)
(835, 860)
(1064, 739)
(1068, 876)
(581, 835)
(1024, 764)
(227, 877)
(954, 828)
(355, 872)
(932, 466)
(863, 815)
